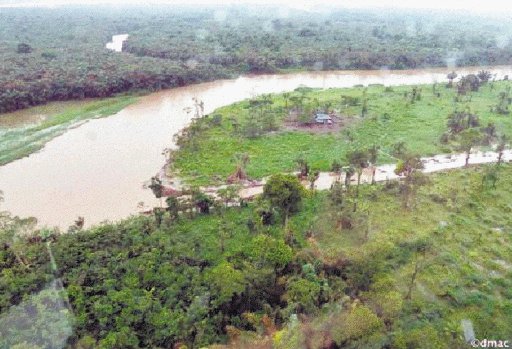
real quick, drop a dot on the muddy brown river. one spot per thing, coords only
(97, 170)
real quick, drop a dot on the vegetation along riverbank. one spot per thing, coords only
(282, 133)
(55, 54)
(22, 140)
(330, 275)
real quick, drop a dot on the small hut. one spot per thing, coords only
(321, 118)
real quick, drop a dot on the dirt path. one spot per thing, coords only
(386, 172)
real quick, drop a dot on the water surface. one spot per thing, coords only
(98, 169)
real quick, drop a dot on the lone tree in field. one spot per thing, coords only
(173, 207)
(468, 83)
(460, 121)
(284, 192)
(490, 178)
(488, 133)
(364, 108)
(202, 201)
(229, 194)
(336, 167)
(484, 76)
(302, 166)
(312, 178)
(409, 167)
(24, 48)
(469, 139)
(451, 77)
(398, 149)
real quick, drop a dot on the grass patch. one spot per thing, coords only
(206, 157)
(22, 141)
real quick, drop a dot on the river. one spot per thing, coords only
(97, 170)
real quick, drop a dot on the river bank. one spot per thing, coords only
(20, 139)
(98, 169)
(383, 173)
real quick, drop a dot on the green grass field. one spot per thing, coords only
(21, 141)
(209, 156)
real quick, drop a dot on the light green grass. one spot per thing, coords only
(19, 142)
(466, 273)
(391, 118)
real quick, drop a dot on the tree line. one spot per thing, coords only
(60, 54)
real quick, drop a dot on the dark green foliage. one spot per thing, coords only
(24, 48)
(504, 102)
(284, 192)
(59, 53)
(468, 83)
(137, 285)
(156, 187)
(460, 121)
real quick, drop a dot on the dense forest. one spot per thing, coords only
(60, 54)
(330, 276)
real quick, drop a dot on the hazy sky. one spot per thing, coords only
(499, 6)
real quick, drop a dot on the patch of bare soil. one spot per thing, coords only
(339, 122)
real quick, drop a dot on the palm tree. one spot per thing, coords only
(241, 159)
(358, 159)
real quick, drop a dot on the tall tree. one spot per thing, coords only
(302, 166)
(284, 192)
(349, 172)
(468, 140)
(359, 160)
(409, 167)
(173, 207)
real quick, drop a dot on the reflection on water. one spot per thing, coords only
(97, 170)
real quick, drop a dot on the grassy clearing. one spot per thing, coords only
(465, 274)
(207, 157)
(22, 141)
